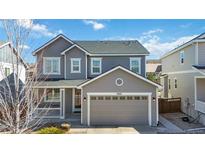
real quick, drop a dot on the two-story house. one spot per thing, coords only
(183, 75)
(104, 81)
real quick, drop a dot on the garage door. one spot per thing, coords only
(118, 110)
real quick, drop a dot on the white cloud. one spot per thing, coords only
(25, 47)
(38, 29)
(96, 25)
(155, 45)
(158, 48)
(185, 25)
(150, 32)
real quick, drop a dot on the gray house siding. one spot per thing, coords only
(201, 53)
(68, 102)
(75, 53)
(131, 84)
(172, 62)
(109, 62)
(185, 90)
(52, 50)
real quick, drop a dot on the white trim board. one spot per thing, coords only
(126, 70)
(198, 70)
(122, 94)
(180, 72)
(51, 41)
(74, 45)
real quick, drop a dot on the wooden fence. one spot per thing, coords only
(169, 105)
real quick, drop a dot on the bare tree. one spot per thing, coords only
(19, 101)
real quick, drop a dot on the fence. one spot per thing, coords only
(169, 105)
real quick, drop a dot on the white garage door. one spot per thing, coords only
(119, 110)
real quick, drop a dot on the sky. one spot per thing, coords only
(158, 36)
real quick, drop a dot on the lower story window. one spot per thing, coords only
(52, 95)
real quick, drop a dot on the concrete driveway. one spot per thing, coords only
(115, 130)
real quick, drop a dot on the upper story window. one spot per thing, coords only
(52, 95)
(51, 65)
(96, 66)
(75, 65)
(135, 65)
(182, 57)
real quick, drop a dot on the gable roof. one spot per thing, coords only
(15, 52)
(113, 47)
(128, 47)
(51, 41)
(199, 38)
(124, 69)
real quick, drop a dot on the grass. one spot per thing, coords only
(51, 130)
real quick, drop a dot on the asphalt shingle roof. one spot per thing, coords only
(113, 47)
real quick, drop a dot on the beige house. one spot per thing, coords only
(183, 75)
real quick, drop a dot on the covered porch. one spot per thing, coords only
(200, 93)
(60, 99)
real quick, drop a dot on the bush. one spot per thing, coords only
(51, 130)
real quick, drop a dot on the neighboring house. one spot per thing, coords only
(153, 69)
(154, 66)
(183, 76)
(8, 57)
(104, 81)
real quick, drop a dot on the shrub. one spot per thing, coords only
(51, 130)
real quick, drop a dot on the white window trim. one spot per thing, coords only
(79, 61)
(135, 58)
(45, 100)
(44, 66)
(181, 52)
(100, 59)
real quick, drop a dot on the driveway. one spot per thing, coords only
(115, 130)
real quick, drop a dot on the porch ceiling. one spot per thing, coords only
(59, 84)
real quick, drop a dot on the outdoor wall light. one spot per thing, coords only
(154, 99)
(84, 99)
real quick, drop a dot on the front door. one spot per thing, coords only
(76, 100)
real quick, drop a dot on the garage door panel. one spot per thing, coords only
(114, 112)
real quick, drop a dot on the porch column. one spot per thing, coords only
(62, 103)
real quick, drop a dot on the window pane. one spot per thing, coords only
(56, 95)
(48, 94)
(75, 68)
(47, 65)
(96, 63)
(55, 66)
(135, 69)
(96, 70)
(75, 62)
(135, 63)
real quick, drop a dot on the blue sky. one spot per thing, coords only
(158, 36)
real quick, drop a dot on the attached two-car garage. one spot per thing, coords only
(119, 109)
(119, 97)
